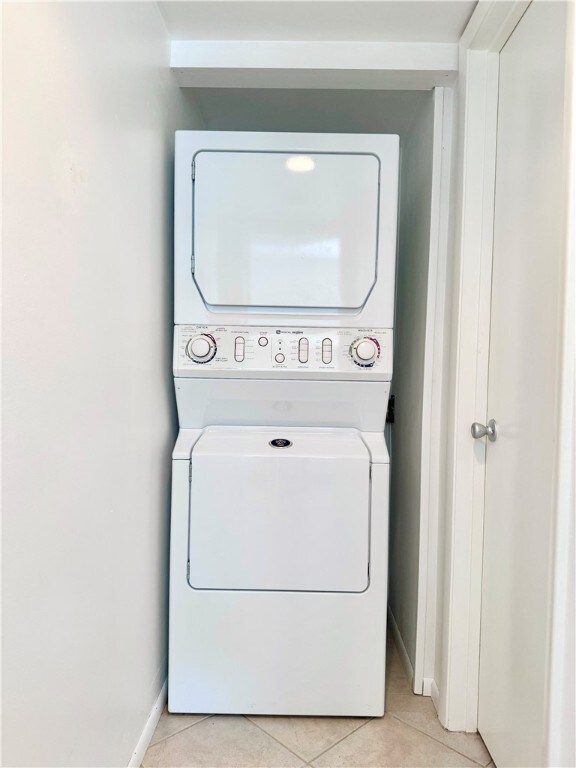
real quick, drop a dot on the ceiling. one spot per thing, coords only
(317, 111)
(416, 21)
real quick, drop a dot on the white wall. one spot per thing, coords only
(334, 20)
(408, 380)
(315, 110)
(89, 110)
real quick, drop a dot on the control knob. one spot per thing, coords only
(202, 348)
(365, 351)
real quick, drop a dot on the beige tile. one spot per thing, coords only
(396, 679)
(220, 742)
(169, 724)
(398, 685)
(469, 744)
(385, 742)
(393, 657)
(308, 736)
(408, 702)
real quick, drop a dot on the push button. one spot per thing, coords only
(327, 351)
(279, 358)
(239, 347)
(263, 341)
(303, 350)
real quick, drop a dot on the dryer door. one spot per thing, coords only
(275, 229)
(280, 518)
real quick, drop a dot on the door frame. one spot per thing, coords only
(455, 691)
(434, 363)
(561, 742)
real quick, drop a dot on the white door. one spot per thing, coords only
(523, 390)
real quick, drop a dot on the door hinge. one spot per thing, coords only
(190, 472)
(370, 472)
(193, 170)
(188, 571)
(193, 262)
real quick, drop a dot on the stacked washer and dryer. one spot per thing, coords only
(285, 251)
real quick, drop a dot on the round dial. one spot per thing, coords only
(202, 348)
(365, 351)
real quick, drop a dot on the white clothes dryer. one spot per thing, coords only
(285, 226)
(285, 260)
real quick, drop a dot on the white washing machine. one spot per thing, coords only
(285, 251)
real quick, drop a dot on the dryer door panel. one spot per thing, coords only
(266, 518)
(274, 229)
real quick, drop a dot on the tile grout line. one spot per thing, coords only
(339, 741)
(186, 727)
(247, 717)
(308, 763)
(440, 742)
(319, 753)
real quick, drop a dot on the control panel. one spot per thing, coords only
(283, 352)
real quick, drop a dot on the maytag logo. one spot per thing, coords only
(280, 442)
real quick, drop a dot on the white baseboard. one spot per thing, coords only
(149, 728)
(406, 663)
(427, 684)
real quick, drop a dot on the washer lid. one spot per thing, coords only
(337, 443)
(278, 229)
(292, 516)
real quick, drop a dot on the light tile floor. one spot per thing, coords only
(408, 735)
